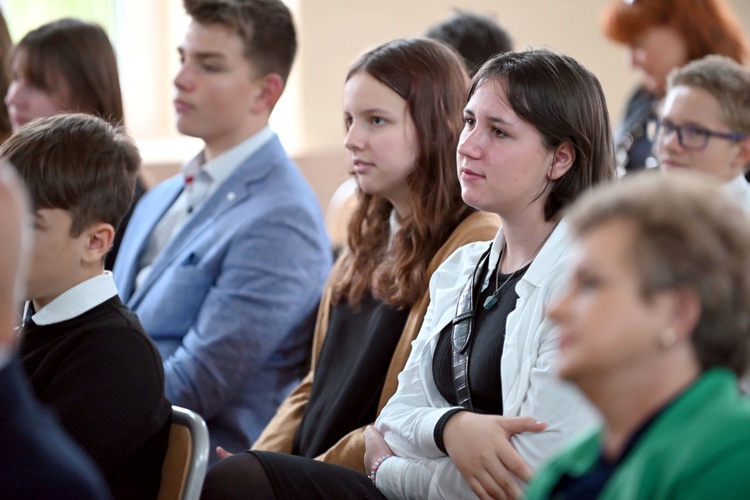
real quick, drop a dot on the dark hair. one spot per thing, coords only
(79, 163)
(706, 26)
(73, 61)
(431, 79)
(690, 235)
(265, 27)
(565, 103)
(474, 36)
(6, 46)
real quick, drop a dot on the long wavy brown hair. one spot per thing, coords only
(432, 80)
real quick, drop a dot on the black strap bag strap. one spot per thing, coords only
(461, 330)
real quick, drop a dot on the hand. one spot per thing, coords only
(375, 446)
(222, 453)
(480, 448)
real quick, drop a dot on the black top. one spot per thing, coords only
(104, 377)
(485, 348)
(350, 373)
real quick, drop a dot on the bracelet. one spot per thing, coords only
(376, 466)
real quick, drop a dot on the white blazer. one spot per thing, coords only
(530, 386)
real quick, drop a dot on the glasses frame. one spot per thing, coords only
(663, 128)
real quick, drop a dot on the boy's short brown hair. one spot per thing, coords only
(266, 28)
(79, 163)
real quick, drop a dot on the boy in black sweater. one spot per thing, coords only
(84, 351)
(37, 458)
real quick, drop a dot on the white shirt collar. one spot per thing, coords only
(737, 187)
(541, 264)
(220, 168)
(77, 300)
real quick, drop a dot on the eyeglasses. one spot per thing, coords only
(689, 136)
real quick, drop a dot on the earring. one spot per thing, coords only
(668, 338)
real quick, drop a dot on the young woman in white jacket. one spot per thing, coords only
(479, 404)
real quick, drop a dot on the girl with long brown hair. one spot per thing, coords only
(402, 113)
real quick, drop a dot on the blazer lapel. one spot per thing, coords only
(234, 190)
(139, 231)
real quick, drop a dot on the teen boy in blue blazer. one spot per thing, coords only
(224, 264)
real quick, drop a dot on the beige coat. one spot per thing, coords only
(349, 451)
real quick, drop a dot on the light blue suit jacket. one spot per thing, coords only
(230, 301)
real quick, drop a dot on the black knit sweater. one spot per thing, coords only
(104, 377)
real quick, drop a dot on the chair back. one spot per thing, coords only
(185, 464)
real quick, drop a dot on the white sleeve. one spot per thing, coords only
(420, 469)
(407, 422)
(432, 479)
(554, 401)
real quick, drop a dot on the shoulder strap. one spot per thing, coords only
(461, 330)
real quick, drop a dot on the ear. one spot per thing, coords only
(269, 91)
(563, 159)
(686, 312)
(98, 241)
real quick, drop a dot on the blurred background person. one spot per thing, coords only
(6, 46)
(474, 36)
(654, 329)
(663, 35)
(68, 66)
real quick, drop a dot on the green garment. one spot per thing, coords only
(698, 448)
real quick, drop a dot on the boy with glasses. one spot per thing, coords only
(704, 122)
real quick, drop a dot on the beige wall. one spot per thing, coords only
(331, 34)
(334, 32)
